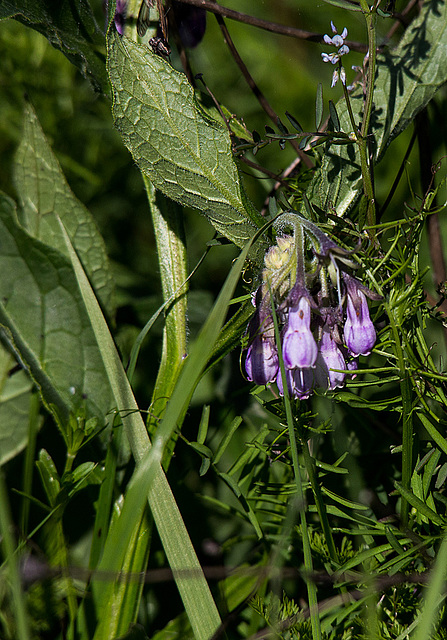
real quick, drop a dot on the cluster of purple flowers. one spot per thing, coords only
(322, 314)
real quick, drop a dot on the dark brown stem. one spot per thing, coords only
(254, 87)
(401, 19)
(274, 27)
(267, 172)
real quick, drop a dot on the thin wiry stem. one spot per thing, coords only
(274, 27)
(255, 89)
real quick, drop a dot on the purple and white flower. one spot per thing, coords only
(300, 383)
(359, 331)
(299, 346)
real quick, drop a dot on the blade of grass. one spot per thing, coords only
(148, 483)
(8, 545)
(434, 595)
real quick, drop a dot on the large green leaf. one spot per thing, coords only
(44, 192)
(407, 79)
(42, 318)
(182, 149)
(15, 398)
(70, 26)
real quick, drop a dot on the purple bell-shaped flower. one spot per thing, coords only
(359, 331)
(329, 358)
(261, 361)
(300, 383)
(299, 347)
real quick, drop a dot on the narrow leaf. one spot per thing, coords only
(319, 107)
(334, 116)
(294, 122)
(419, 505)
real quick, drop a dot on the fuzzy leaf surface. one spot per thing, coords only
(180, 147)
(407, 79)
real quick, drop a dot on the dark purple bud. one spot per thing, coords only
(359, 332)
(300, 383)
(299, 346)
(329, 358)
(120, 15)
(191, 23)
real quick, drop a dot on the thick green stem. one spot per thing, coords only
(171, 250)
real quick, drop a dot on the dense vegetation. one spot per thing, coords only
(280, 217)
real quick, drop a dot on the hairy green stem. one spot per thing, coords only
(362, 135)
(171, 250)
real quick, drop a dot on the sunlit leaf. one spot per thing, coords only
(183, 150)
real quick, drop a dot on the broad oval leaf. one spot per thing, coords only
(184, 151)
(43, 319)
(45, 196)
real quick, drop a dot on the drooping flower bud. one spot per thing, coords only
(261, 361)
(359, 331)
(329, 358)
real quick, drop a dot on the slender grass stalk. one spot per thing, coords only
(407, 415)
(149, 483)
(319, 502)
(307, 552)
(9, 551)
(434, 595)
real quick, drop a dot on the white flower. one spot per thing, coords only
(337, 40)
(330, 57)
(334, 78)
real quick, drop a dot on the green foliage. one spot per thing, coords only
(146, 489)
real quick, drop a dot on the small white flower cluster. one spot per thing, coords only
(337, 40)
